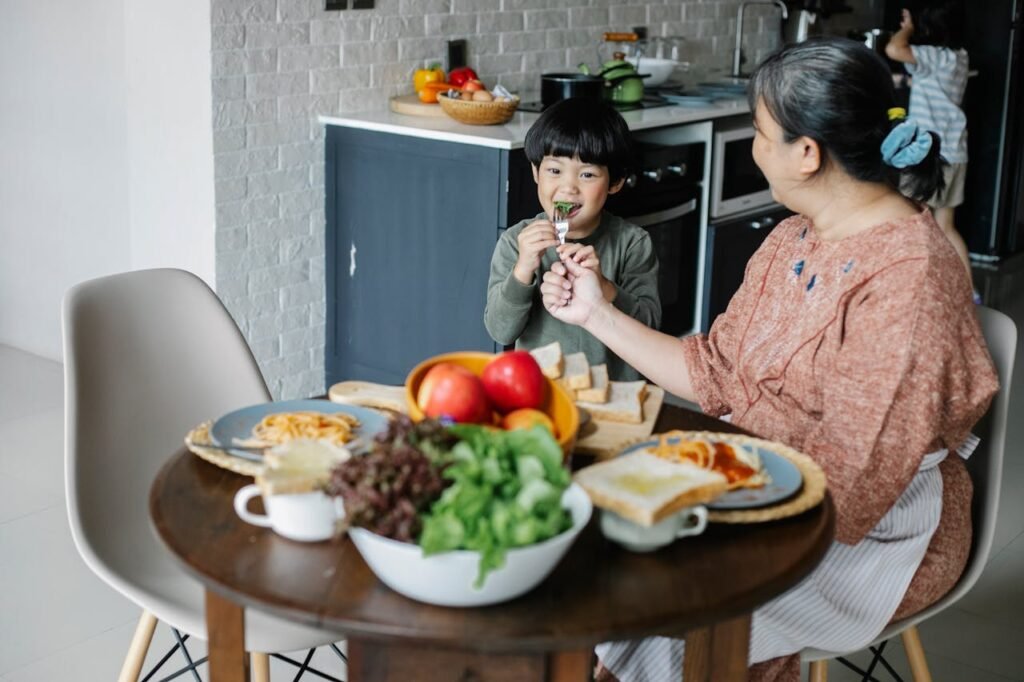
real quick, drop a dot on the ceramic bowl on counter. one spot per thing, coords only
(659, 68)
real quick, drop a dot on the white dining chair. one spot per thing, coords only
(986, 469)
(147, 356)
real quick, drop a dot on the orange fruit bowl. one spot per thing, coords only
(558, 405)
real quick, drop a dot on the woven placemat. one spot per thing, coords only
(812, 491)
(200, 436)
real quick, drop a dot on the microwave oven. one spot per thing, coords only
(737, 184)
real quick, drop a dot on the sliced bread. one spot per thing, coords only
(599, 388)
(550, 359)
(577, 371)
(645, 489)
(625, 403)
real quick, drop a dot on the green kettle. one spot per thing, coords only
(622, 84)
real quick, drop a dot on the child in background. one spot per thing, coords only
(581, 152)
(938, 65)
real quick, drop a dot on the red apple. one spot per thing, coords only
(450, 390)
(513, 380)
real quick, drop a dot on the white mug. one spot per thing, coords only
(637, 538)
(306, 517)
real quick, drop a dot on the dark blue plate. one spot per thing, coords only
(238, 425)
(785, 479)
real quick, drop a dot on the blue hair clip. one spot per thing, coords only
(906, 145)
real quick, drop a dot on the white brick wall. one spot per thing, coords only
(277, 64)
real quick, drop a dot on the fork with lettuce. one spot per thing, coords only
(561, 219)
(505, 492)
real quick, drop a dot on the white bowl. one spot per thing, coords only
(447, 579)
(659, 68)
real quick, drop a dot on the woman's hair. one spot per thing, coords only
(838, 92)
(590, 129)
(940, 24)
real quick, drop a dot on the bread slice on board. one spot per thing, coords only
(550, 359)
(599, 388)
(624, 404)
(645, 489)
(369, 395)
(577, 371)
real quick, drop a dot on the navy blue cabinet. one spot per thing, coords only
(411, 226)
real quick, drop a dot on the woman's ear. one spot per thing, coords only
(615, 186)
(810, 156)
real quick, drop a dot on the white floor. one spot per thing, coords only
(59, 622)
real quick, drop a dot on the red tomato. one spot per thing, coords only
(450, 390)
(513, 380)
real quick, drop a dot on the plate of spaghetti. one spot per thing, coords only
(269, 424)
(756, 473)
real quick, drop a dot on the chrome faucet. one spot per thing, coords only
(737, 53)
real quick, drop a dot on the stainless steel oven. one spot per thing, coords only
(737, 184)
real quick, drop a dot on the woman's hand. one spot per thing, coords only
(534, 239)
(587, 257)
(571, 293)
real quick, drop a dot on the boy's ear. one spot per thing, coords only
(536, 177)
(616, 186)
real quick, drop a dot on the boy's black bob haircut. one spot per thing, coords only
(588, 128)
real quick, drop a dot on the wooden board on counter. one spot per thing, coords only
(412, 106)
(604, 439)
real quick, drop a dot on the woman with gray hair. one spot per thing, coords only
(853, 338)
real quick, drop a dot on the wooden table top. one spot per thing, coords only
(598, 592)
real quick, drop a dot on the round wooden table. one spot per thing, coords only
(702, 588)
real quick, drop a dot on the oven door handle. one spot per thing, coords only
(649, 219)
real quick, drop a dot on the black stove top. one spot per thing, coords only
(648, 102)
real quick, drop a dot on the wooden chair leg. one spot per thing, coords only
(915, 655)
(136, 657)
(260, 663)
(819, 671)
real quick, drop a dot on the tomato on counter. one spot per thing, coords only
(458, 77)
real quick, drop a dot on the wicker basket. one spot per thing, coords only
(478, 113)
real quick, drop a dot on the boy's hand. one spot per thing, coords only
(586, 257)
(533, 241)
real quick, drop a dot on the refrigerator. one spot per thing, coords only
(991, 219)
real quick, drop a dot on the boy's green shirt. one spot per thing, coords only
(515, 314)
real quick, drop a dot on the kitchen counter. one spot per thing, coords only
(512, 134)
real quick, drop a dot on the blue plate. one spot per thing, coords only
(690, 100)
(785, 479)
(238, 424)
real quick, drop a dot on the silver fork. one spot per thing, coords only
(561, 224)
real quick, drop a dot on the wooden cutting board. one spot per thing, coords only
(412, 106)
(604, 439)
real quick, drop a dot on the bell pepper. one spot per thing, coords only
(458, 77)
(421, 77)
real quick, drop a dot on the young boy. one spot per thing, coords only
(581, 152)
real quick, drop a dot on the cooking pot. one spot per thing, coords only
(623, 85)
(555, 87)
